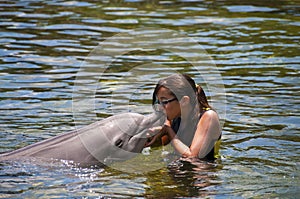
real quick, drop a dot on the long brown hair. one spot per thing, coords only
(183, 85)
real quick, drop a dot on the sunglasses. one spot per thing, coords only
(165, 102)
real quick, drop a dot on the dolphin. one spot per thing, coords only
(116, 138)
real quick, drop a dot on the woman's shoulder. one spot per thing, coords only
(209, 114)
(210, 121)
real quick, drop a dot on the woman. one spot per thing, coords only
(192, 126)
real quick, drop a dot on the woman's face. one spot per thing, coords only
(173, 107)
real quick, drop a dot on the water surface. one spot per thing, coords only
(255, 46)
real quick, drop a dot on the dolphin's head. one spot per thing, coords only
(135, 138)
(155, 119)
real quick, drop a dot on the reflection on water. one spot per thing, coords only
(182, 177)
(255, 45)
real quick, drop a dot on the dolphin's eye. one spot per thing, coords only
(119, 143)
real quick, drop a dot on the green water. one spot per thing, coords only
(45, 49)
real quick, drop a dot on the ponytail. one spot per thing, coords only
(202, 100)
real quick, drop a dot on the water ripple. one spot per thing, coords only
(255, 45)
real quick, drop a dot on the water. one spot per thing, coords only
(255, 46)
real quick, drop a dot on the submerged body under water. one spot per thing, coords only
(67, 179)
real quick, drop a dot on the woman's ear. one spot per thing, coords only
(185, 100)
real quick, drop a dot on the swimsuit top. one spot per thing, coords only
(214, 152)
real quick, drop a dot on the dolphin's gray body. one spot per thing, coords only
(115, 138)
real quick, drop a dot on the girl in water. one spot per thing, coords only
(192, 126)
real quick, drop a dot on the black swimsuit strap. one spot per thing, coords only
(175, 124)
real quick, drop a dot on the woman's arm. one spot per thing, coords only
(207, 133)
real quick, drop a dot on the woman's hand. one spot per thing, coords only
(161, 134)
(168, 123)
(153, 134)
(168, 129)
